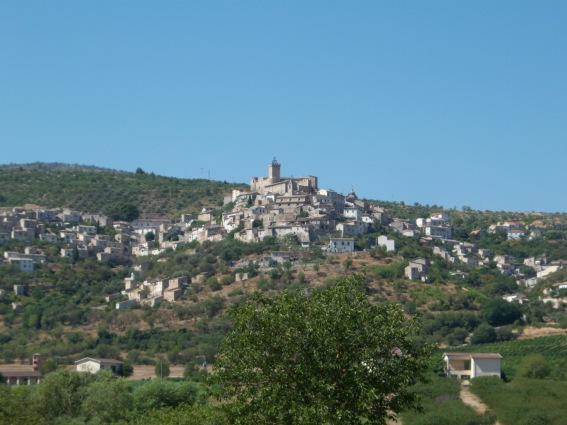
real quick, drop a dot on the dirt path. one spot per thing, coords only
(472, 400)
(534, 332)
(148, 372)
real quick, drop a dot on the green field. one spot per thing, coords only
(524, 401)
(553, 348)
(442, 405)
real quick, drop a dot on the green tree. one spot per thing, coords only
(326, 357)
(162, 369)
(160, 393)
(498, 312)
(127, 369)
(534, 366)
(125, 212)
(483, 334)
(48, 366)
(107, 400)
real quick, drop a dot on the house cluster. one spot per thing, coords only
(64, 227)
(274, 206)
(465, 253)
(435, 227)
(32, 375)
(556, 294)
(515, 230)
(150, 292)
(277, 206)
(26, 260)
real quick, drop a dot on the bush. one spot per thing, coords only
(162, 369)
(534, 366)
(499, 312)
(265, 284)
(160, 393)
(483, 334)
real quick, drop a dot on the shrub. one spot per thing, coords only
(483, 334)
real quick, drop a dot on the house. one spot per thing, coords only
(23, 376)
(24, 264)
(126, 304)
(353, 213)
(341, 245)
(514, 235)
(417, 269)
(352, 228)
(443, 253)
(93, 365)
(472, 365)
(435, 226)
(389, 244)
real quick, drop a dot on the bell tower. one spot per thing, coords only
(274, 171)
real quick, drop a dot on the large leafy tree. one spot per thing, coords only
(325, 357)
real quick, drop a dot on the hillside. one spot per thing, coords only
(99, 190)
(68, 307)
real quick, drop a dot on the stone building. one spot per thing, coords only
(276, 184)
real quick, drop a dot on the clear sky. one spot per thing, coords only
(454, 102)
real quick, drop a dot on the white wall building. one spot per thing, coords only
(341, 245)
(93, 365)
(472, 365)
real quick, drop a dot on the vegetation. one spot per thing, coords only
(442, 405)
(551, 348)
(336, 359)
(524, 401)
(65, 315)
(66, 397)
(119, 194)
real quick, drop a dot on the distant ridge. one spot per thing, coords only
(57, 166)
(96, 189)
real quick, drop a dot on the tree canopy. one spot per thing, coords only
(326, 357)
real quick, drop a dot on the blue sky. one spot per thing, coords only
(439, 102)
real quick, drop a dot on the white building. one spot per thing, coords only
(389, 244)
(472, 365)
(24, 264)
(93, 365)
(341, 245)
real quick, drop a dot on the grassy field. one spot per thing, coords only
(524, 401)
(442, 406)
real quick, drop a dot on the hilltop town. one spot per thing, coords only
(136, 285)
(293, 208)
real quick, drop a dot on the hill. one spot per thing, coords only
(99, 190)
(68, 309)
